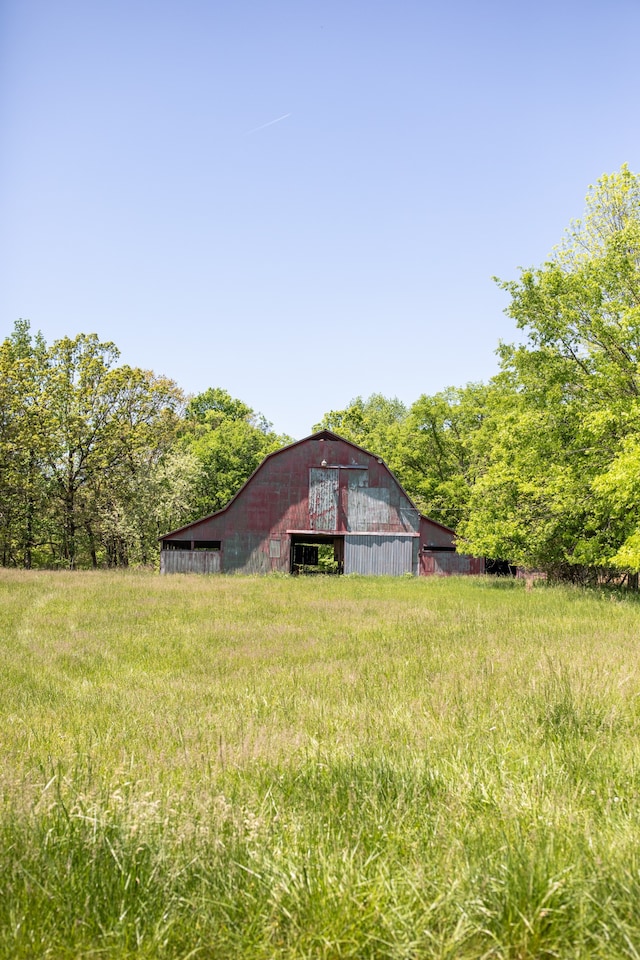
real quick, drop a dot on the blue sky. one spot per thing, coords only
(347, 248)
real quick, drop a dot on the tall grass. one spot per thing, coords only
(236, 767)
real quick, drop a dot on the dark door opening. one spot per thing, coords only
(316, 554)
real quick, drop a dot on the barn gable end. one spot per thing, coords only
(322, 490)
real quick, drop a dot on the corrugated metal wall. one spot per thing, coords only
(379, 555)
(189, 561)
(246, 553)
(409, 517)
(367, 508)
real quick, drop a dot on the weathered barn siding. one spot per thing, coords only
(324, 494)
(190, 561)
(245, 553)
(321, 489)
(367, 507)
(447, 564)
(434, 536)
(373, 554)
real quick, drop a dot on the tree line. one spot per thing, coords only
(540, 466)
(98, 459)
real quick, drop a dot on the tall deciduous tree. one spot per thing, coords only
(23, 445)
(435, 454)
(555, 460)
(109, 425)
(80, 438)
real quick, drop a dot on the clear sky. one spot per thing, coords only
(300, 201)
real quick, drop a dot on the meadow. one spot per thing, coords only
(285, 767)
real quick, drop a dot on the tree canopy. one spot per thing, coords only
(559, 452)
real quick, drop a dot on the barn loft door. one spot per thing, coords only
(324, 487)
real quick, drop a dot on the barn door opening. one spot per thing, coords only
(313, 554)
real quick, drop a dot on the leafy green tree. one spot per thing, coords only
(529, 503)
(80, 440)
(109, 425)
(23, 445)
(556, 451)
(142, 437)
(160, 494)
(214, 405)
(434, 455)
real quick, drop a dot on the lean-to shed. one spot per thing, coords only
(320, 496)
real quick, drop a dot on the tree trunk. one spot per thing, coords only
(70, 526)
(92, 545)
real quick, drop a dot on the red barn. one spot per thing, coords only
(318, 496)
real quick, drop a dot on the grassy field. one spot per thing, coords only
(342, 767)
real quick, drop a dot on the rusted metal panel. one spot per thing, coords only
(409, 517)
(445, 564)
(324, 487)
(190, 561)
(379, 555)
(434, 534)
(357, 478)
(367, 507)
(246, 553)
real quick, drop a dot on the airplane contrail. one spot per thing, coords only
(269, 124)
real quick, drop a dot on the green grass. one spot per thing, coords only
(341, 767)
